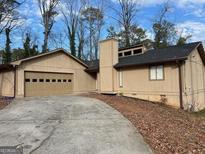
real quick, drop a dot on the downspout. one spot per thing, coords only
(180, 84)
(15, 81)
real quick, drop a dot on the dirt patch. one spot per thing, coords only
(165, 129)
(4, 102)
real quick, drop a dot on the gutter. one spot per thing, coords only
(149, 63)
(179, 63)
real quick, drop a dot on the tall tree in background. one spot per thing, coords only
(81, 39)
(7, 51)
(30, 49)
(71, 14)
(48, 13)
(111, 32)
(26, 45)
(17, 54)
(183, 39)
(137, 35)
(125, 17)
(164, 30)
(8, 13)
(93, 18)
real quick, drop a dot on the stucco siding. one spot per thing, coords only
(7, 84)
(57, 63)
(194, 84)
(108, 58)
(137, 83)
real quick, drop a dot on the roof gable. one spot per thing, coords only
(18, 62)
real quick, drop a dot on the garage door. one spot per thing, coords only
(47, 84)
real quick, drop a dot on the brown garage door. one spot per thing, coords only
(47, 84)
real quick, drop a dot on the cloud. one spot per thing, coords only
(196, 29)
(179, 3)
(192, 7)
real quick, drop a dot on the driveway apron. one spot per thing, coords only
(68, 124)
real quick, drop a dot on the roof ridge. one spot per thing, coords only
(18, 62)
(198, 42)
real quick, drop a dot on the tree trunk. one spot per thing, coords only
(127, 39)
(72, 44)
(7, 53)
(45, 44)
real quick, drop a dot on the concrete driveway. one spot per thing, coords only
(68, 124)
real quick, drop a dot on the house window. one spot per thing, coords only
(157, 72)
(54, 80)
(137, 51)
(120, 54)
(120, 78)
(47, 80)
(128, 53)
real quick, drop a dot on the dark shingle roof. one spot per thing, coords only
(93, 66)
(154, 56)
(169, 54)
(6, 67)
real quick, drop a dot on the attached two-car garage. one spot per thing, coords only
(45, 84)
(48, 74)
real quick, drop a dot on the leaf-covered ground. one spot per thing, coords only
(4, 102)
(165, 129)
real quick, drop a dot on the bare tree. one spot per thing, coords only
(93, 18)
(164, 30)
(58, 39)
(125, 16)
(48, 13)
(81, 39)
(7, 51)
(8, 13)
(71, 14)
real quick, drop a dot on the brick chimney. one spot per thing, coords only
(108, 58)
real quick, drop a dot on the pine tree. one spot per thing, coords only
(27, 46)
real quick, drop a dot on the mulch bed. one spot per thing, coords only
(165, 129)
(4, 102)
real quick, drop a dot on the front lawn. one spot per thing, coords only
(165, 129)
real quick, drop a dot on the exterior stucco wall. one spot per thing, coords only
(137, 83)
(7, 84)
(108, 58)
(57, 63)
(194, 82)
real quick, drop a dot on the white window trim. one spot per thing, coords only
(155, 77)
(120, 78)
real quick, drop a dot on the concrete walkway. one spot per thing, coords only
(68, 124)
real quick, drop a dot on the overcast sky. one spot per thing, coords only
(187, 15)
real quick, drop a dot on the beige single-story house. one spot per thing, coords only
(174, 75)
